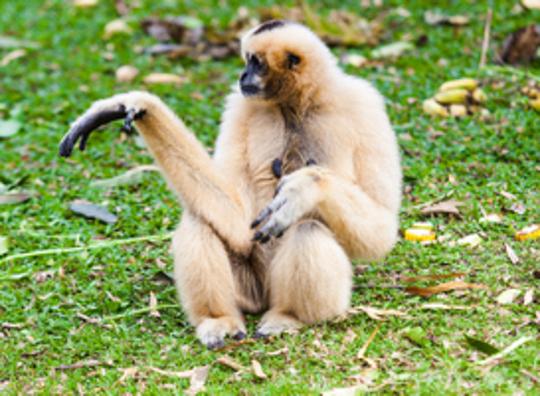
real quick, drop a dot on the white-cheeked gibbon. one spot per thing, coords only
(305, 177)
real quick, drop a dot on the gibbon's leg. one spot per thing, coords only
(182, 158)
(310, 279)
(205, 283)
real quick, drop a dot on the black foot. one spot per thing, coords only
(215, 345)
(239, 336)
(260, 336)
(277, 168)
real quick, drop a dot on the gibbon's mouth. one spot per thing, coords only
(249, 89)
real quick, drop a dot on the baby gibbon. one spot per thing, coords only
(305, 177)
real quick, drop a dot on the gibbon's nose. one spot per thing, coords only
(248, 85)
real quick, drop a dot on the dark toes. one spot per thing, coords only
(239, 336)
(215, 345)
(260, 336)
(265, 239)
(311, 162)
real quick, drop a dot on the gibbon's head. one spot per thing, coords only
(284, 60)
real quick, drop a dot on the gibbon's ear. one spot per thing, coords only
(292, 60)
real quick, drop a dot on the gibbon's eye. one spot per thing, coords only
(292, 60)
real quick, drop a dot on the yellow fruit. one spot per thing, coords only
(479, 96)
(458, 110)
(453, 96)
(530, 232)
(416, 234)
(535, 104)
(463, 83)
(431, 107)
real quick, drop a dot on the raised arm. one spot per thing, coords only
(191, 173)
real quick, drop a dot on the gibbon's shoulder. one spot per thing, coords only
(358, 93)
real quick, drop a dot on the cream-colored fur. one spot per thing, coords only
(344, 207)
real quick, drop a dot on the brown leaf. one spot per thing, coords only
(115, 27)
(180, 29)
(443, 287)
(227, 361)
(418, 278)
(521, 45)
(198, 379)
(257, 370)
(449, 207)
(511, 254)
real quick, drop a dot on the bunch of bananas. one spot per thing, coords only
(456, 98)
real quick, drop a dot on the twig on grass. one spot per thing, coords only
(138, 312)
(101, 245)
(505, 351)
(485, 41)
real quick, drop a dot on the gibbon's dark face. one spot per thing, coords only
(251, 80)
(259, 79)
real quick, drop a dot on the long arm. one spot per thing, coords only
(183, 160)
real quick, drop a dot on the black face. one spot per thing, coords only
(251, 79)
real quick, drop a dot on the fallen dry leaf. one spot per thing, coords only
(176, 374)
(85, 3)
(348, 391)
(153, 306)
(471, 241)
(115, 27)
(198, 379)
(14, 198)
(126, 73)
(447, 207)
(528, 298)
(491, 218)
(227, 361)
(521, 45)
(508, 296)
(376, 313)
(393, 50)
(92, 211)
(518, 207)
(511, 254)
(508, 195)
(409, 279)
(83, 364)
(443, 287)
(11, 56)
(121, 7)
(257, 370)
(436, 18)
(164, 78)
(353, 60)
(128, 373)
(42, 276)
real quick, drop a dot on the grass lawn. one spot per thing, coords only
(45, 299)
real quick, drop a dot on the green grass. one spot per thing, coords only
(52, 85)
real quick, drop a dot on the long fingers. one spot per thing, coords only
(86, 124)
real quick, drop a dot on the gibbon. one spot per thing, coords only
(305, 177)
